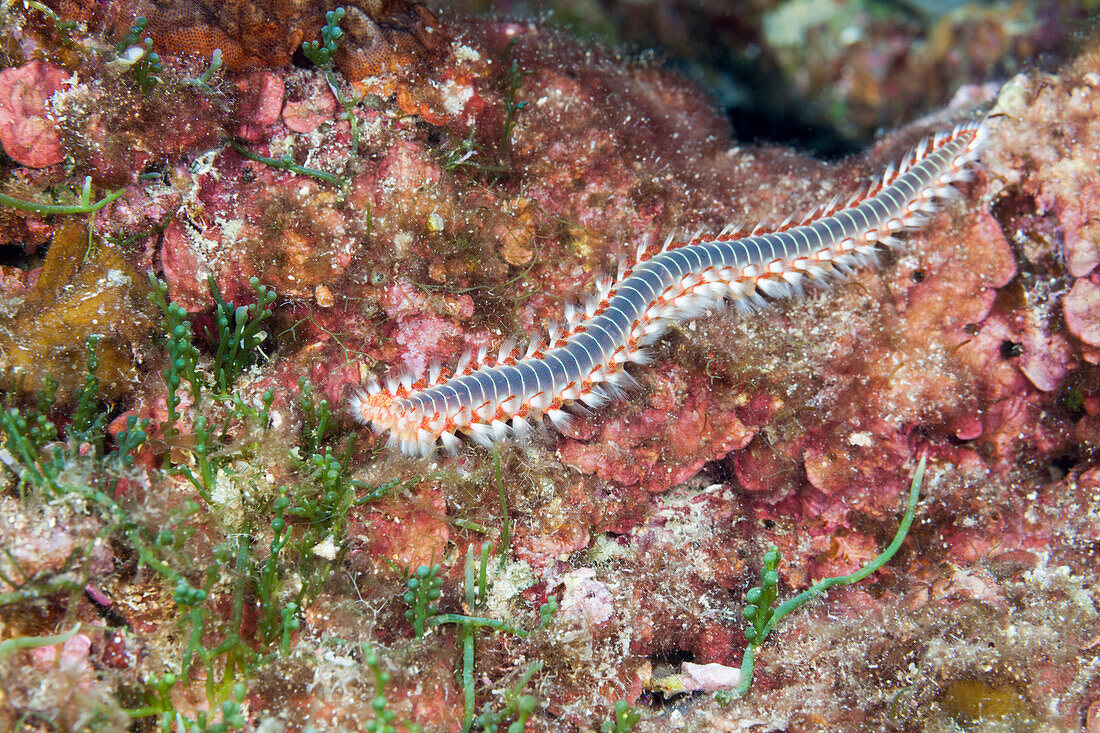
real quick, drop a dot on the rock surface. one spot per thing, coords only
(469, 200)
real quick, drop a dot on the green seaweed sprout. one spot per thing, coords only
(287, 163)
(84, 204)
(622, 720)
(476, 585)
(127, 442)
(321, 53)
(461, 154)
(513, 79)
(424, 591)
(133, 36)
(39, 458)
(34, 642)
(300, 523)
(202, 82)
(517, 707)
(143, 67)
(41, 462)
(239, 332)
(183, 356)
(204, 444)
(761, 613)
(506, 521)
(317, 420)
(464, 153)
(383, 716)
(30, 439)
(335, 492)
(258, 416)
(280, 582)
(89, 422)
(163, 708)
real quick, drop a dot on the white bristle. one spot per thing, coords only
(533, 346)
(483, 434)
(506, 347)
(560, 419)
(450, 443)
(521, 429)
(463, 362)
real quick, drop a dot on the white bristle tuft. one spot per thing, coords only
(482, 434)
(463, 362)
(535, 345)
(506, 347)
(594, 398)
(355, 405)
(451, 443)
(560, 419)
(773, 288)
(614, 387)
(521, 429)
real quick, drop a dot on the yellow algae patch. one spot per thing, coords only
(81, 291)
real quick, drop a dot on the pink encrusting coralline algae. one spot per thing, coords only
(491, 397)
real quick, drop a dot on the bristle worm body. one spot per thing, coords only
(489, 397)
